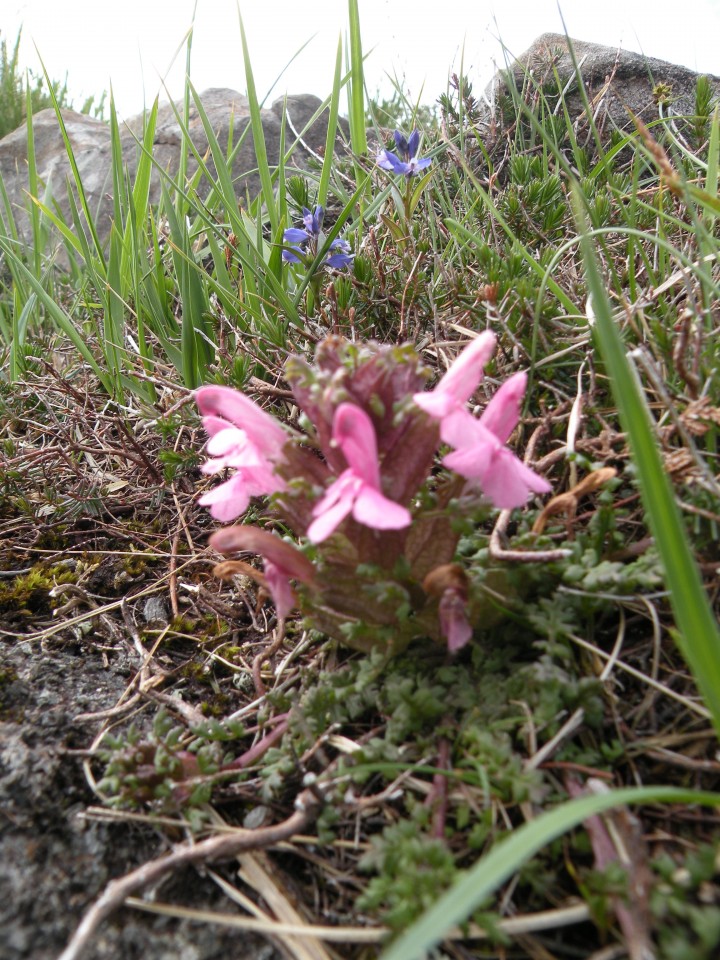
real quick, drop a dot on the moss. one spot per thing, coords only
(28, 592)
(218, 707)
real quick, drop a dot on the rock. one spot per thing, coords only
(90, 139)
(155, 612)
(616, 81)
(55, 862)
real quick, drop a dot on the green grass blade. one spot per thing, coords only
(23, 308)
(61, 319)
(76, 178)
(329, 159)
(193, 295)
(510, 854)
(266, 180)
(33, 185)
(711, 177)
(699, 637)
(356, 98)
(180, 198)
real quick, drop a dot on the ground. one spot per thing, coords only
(113, 626)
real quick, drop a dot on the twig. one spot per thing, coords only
(265, 655)
(262, 746)
(498, 552)
(215, 849)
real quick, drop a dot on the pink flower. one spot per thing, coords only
(461, 380)
(281, 562)
(454, 624)
(357, 489)
(450, 583)
(481, 453)
(245, 438)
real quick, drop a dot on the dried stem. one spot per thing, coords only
(215, 849)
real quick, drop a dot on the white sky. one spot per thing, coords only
(132, 42)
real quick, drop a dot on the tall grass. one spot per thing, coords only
(127, 276)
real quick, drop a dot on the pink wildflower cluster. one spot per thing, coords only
(361, 491)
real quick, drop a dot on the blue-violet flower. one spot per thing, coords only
(304, 244)
(408, 163)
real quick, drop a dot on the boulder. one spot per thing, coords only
(90, 139)
(618, 83)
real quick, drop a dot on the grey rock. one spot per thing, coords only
(155, 612)
(90, 140)
(618, 83)
(55, 862)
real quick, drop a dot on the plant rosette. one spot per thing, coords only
(376, 518)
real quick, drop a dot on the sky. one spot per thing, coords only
(133, 44)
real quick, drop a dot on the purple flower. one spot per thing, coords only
(245, 438)
(304, 244)
(408, 163)
(480, 453)
(357, 489)
(461, 380)
(281, 562)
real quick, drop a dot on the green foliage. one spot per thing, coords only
(704, 106)
(411, 869)
(397, 113)
(164, 769)
(684, 905)
(16, 87)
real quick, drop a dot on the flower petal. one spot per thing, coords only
(509, 483)
(413, 143)
(462, 430)
(231, 440)
(389, 161)
(435, 403)
(503, 412)
(473, 462)
(231, 405)
(454, 624)
(338, 261)
(329, 520)
(461, 379)
(270, 546)
(213, 425)
(283, 595)
(374, 510)
(419, 163)
(313, 220)
(466, 372)
(229, 500)
(354, 433)
(401, 143)
(296, 236)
